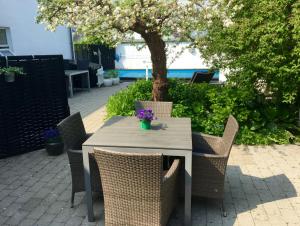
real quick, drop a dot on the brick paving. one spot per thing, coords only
(262, 184)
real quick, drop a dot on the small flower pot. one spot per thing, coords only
(108, 82)
(54, 148)
(145, 124)
(116, 81)
(10, 77)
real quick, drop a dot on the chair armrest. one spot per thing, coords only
(172, 172)
(72, 151)
(209, 155)
(209, 163)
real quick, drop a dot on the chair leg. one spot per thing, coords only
(72, 199)
(223, 210)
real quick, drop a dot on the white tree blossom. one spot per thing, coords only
(111, 21)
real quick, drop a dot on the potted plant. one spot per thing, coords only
(11, 72)
(108, 81)
(53, 141)
(114, 74)
(145, 116)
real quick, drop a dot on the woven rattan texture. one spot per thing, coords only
(160, 109)
(30, 105)
(135, 192)
(210, 159)
(73, 131)
(73, 134)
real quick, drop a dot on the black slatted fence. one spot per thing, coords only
(33, 103)
(89, 53)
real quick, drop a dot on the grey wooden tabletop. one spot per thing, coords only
(166, 133)
(75, 72)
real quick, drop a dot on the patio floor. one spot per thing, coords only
(262, 184)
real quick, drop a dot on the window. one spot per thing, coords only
(5, 42)
(3, 39)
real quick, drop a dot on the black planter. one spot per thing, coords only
(54, 148)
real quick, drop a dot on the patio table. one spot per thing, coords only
(169, 136)
(71, 73)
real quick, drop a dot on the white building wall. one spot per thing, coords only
(29, 38)
(133, 57)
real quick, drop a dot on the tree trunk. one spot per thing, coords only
(157, 49)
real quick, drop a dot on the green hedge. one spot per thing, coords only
(261, 122)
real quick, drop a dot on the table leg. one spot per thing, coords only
(70, 86)
(87, 181)
(188, 190)
(88, 81)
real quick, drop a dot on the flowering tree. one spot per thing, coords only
(115, 20)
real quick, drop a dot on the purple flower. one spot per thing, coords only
(145, 114)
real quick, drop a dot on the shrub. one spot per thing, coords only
(258, 41)
(208, 106)
(122, 103)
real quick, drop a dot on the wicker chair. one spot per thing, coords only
(136, 190)
(160, 109)
(73, 134)
(210, 156)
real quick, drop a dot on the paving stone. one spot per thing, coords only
(31, 204)
(49, 199)
(45, 220)
(30, 182)
(4, 193)
(3, 219)
(28, 222)
(74, 221)
(56, 224)
(271, 209)
(16, 218)
(19, 191)
(2, 187)
(56, 207)
(37, 212)
(64, 196)
(43, 193)
(245, 218)
(15, 185)
(229, 221)
(4, 203)
(289, 216)
(64, 215)
(37, 186)
(11, 209)
(24, 197)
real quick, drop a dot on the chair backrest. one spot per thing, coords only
(160, 109)
(201, 77)
(72, 131)
(231, 130)
(129, 175)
